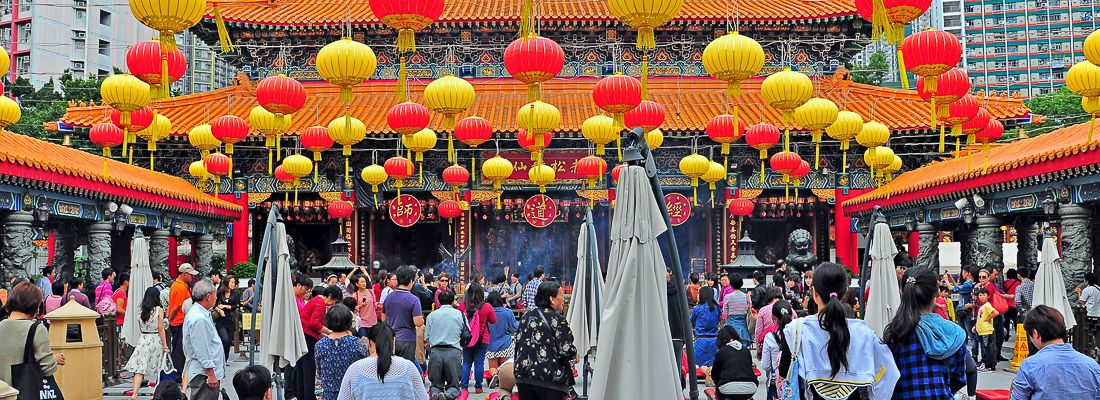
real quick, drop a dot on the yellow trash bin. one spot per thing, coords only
(73, 332)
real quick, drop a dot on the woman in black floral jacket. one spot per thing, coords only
(545, 353)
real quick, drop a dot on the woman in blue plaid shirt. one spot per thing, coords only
(928, 350)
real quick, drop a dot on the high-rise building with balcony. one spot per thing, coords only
(207, 68)
(1025, 46)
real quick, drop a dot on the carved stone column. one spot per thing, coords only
(99, 250)
(64, 243)
(929, 250)
(204, 253)
(1076, 244)
(158, 251)
(988, 241)
(1027, 240)
(16, 249)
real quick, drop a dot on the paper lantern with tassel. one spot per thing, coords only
(616, 171)
(541, 175)
(407, 17)
(762, 137)
(740, 208)
(928, 54)
(139, 120)
(952, 86)
(725, 129)
(848, 124)
(158, 130)
(715, 173)
(285, 178)
(600, 130)
(280, 94)
(347, 135)
(418, 143)
(973, 127)
(10, 113)
(881, 158)
(889, 17)
(408, 118)
(317, 140)
(533, 60)
(272, 127)
(538, 119)
(959, 113)
(457, 176)
(217, 165)
(146, 61)
(473, 131)
(449, 209)
(815, 115)
(374, 175)
(298, 167)
(992, 133)
(168, 17)
(346, 63)
(197, 170)
(1093, 110)
(497, 169)
(785, 91)
(617, 94)
(648, 115)
(654, 139)
(230, 130)
(202, 138)
(125, 93)
(694, 166)
(645, 16)
(449, 96)
(340, 210)
(873, 134)
(785, 162)
(799, 173)
(106, 136)
(592, 169)
(527, 142)
(733, 58)
(1083, 79)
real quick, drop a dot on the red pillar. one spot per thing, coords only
(51, 246)
(236, 249)
(173, 257)
(914, 244)
(847, 243)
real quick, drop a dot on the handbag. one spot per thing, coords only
(466, 336)
(28, 377)
(999, 303)
(791, 388)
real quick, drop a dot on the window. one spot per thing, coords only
(954, 20)
(104, 48)
(25, 6)
(25, 33)
(79, 47)
(80, 16)
(950, 7)
(105, 18)
(23, 65)
(103, 74)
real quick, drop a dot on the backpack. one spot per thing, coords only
(473, 326)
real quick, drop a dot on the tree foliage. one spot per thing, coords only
(1061, 108)
(873, 72)
(45, 104)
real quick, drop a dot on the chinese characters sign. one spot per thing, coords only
(405, 211)
(679, 208)
(540, 211)
(563, 162)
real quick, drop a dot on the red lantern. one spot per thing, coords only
(106, 136)
(139, 120)
(740, 207)
(615, 173)
(930, 53)
(456, 175)
(399, 168)
(534, 60)
(800, 172)
(960, 112)
(785, 162)
(146, 62)
(648, 115)
(317, 140)
(992, 133)
(953, 85)
(282, 176)
(527, 141)
(407, 17)
(280, 95)
(617, 94)
(762, 137)
(592, 168)
(473, 131)
(978, 123)
(449, 209)
(229, 129)
(725, 129)
(340, 209)
(889, 17)
(217, 164)
(408, 118)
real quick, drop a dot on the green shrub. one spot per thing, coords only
(244, 270)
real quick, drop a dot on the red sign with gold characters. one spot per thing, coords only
(540, 211)
(405, 211)
(679, 208)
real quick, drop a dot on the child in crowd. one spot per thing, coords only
(943, 308)
(984, 328)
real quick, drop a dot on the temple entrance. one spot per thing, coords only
(308, 225)
(776, 219)
(417, 245)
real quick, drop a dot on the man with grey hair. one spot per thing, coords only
(202, 347)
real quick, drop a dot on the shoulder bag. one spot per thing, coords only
(792, 389)
(28, 377)
(467, 335)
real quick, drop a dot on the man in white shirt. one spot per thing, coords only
(1090, 296)
(202, 347)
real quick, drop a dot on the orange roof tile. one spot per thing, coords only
(1058, 151)
(73, 171)
(689, 104)
(305, 13)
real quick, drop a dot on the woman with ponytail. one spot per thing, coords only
(705, 317)
(382, 376)
(928, 349)
(775, 358)
(837, 357)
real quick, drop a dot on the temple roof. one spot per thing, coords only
(304, 14)
(35, 163)
(1056, 155)
(689, 102)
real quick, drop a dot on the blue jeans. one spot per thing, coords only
(740, 324)
(475, 356)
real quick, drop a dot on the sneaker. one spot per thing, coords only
(982, 368)
(479, 391)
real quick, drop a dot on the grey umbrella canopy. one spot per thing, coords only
(282, 341)
(634, 355)
(141, 278)
(885, 296)
(584, 304)
(1050, 286)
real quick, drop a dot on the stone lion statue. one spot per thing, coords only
(800, 255)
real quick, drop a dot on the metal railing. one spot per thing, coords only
(115, 351)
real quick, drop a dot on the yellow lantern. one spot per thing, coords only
(297, 166)
(1091, 47)
(375, 175)
(645, 16)
(347, 131)
(125, 93)
(1093, 109)
(5, 62)
(418, 143)
(202, 138)
(159, 129)
(816, 115)
(654, 139)
(733, 58)
(694, 166)
(1083, 78)
(893, 168)
(449, 95)
(883, 157)
(346, 63)
(873, 135)
(848, 124)
(787, 90)
(541, 175)
(168, 17)
(538, 119)
(9, 112)
(497, 169)
(600, 130)
(272, 127)
(715, 173)
(197, 169)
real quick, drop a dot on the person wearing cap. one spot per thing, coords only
(178, 294)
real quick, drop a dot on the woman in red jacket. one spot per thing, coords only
(313, 324)
(479, 315)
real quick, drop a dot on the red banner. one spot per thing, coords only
(679, 208)
(540, 210)
(405, 211)
(563, 162)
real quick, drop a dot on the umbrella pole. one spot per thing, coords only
(639, 154)
(876, 218)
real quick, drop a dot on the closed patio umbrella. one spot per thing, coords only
(634, 353)
(884, 297)
(141, 278)
(1050, 286)
(584, 304)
